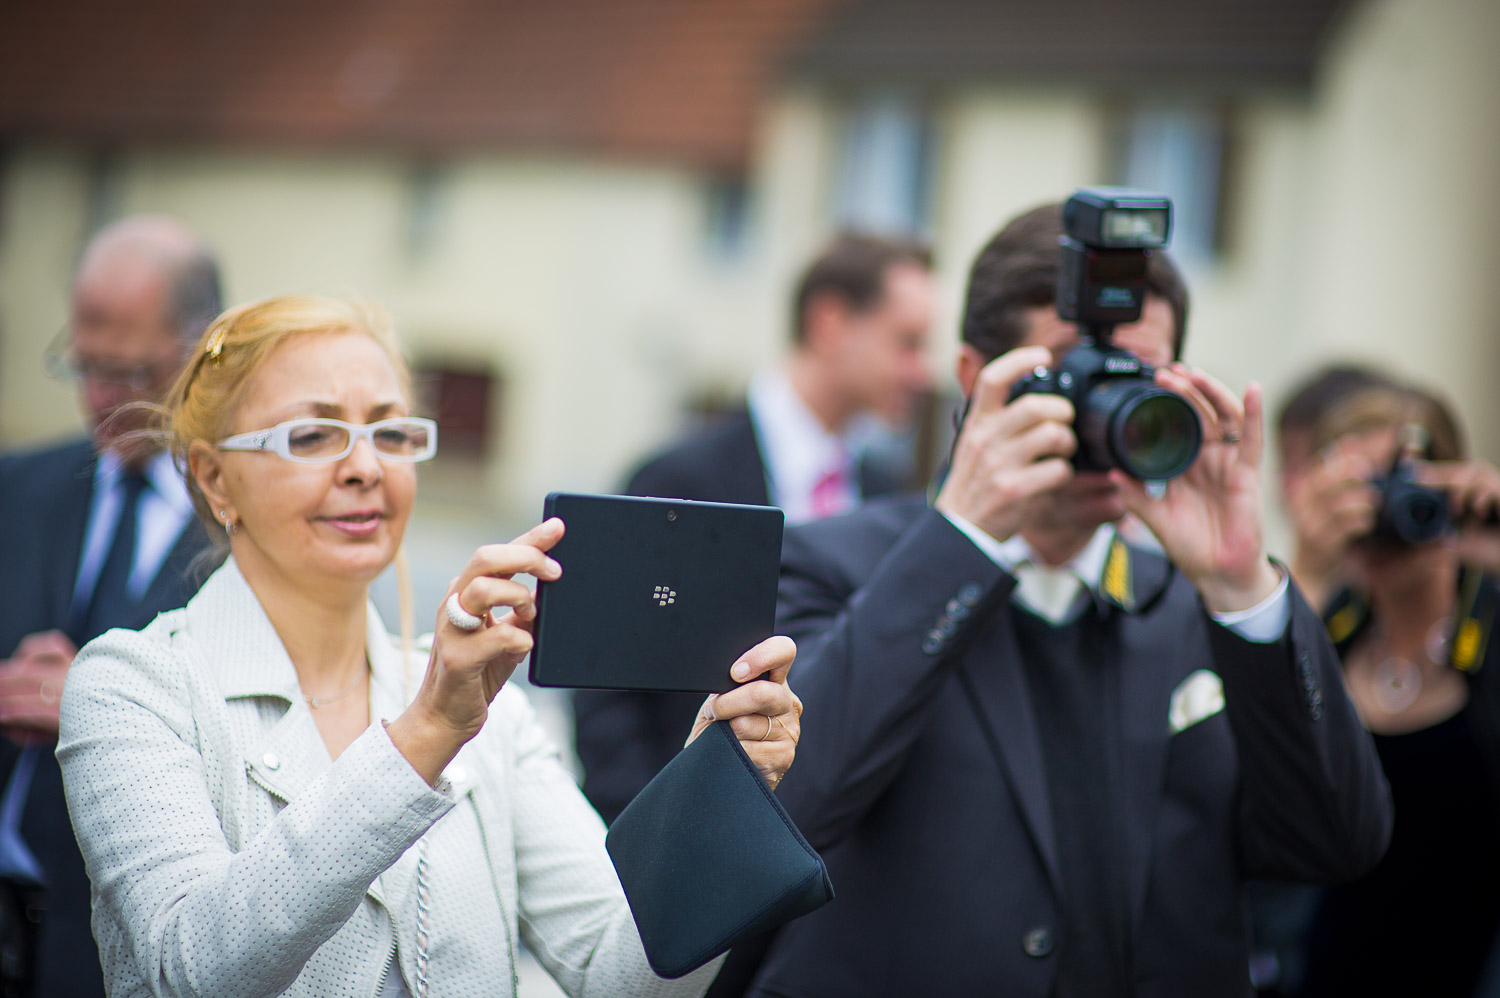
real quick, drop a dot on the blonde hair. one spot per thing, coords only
(202, 402)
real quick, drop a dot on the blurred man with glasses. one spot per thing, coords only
(95, 533)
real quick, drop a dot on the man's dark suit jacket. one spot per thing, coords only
(920, 778)
(44, 510)
(624, 739)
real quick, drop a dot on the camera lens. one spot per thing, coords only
(1148, 432)
(1413, 514)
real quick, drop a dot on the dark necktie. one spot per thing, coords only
(112, 605)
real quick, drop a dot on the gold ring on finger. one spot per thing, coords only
(788, 730)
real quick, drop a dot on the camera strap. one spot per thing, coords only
(1134, 578)
(1473, 621)
(1469, 630)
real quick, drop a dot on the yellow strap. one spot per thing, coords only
(1117, 575)
(1466, 645)
(1343, 623)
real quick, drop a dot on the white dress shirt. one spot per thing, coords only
(165, 509)
(229, 855)
(1264, 622)
(798, 449)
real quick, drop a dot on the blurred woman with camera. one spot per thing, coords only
(271, 795)
(1414, 630)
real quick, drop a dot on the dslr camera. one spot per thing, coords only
(1122, 418)
(1406, 513)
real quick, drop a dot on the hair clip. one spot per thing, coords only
(216, 344)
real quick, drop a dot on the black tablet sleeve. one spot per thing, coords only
(709, 858)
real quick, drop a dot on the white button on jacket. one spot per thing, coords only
(230, 855)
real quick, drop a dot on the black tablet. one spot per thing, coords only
(656, 594)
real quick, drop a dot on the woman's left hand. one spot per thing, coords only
(1473, 489)
(765, 715)
(1209, 522)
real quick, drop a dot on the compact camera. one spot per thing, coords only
(1122, 419)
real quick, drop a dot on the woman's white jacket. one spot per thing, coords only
(229, 855)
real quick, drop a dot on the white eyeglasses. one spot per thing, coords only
(322, 441)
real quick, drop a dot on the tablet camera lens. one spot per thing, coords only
(671, 514)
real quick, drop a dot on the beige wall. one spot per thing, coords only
(1000, 153)
(41, 221)
(584, 287)
(1363, 225)
(1408, 141)
(1366, 218)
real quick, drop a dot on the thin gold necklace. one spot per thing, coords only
(316, 702)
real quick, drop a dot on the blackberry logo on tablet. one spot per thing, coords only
(664, 595)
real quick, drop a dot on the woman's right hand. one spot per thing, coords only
(1332, 506)
(467, 668)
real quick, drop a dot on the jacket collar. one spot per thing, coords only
(1131, 581)
(1133, 577)
(241, 649)
(236, 643)
(1116, 573)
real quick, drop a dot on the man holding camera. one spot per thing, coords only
(1046, 759)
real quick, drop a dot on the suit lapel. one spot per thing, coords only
(176, 580)
(73, 514)
(991, 674)
(746, 463)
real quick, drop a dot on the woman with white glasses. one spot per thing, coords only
(271, 794)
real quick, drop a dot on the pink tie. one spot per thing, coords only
(831, 495)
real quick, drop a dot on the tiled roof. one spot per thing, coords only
(1214, 43)
(674, 80)
(667, 79)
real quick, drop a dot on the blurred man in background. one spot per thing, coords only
(861, 316)
(96, 533)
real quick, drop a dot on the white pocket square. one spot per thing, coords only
(1196, 697)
